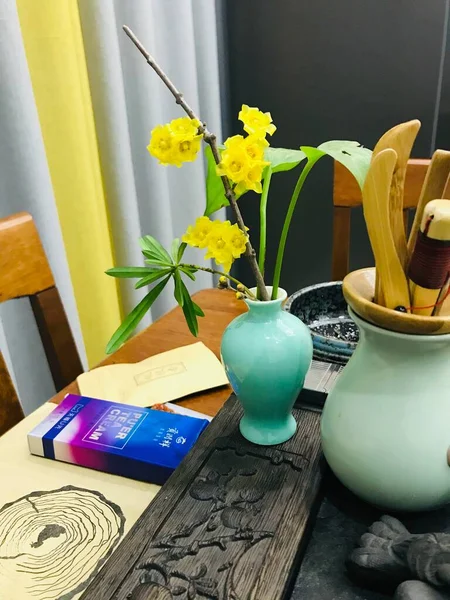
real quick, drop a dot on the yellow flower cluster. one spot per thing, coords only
(224, 242)
(242, 161)
(176, 142)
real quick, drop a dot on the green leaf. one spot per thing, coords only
(174, 248)
(198, 310)
(215, 193)
(151, 277)
(181, 250)
(128, 272)
(135, 316)
(153, 249)
(155, 262)
(178, 290)
(283, 159)
(189, 310)
(352, 155)
(189, 271)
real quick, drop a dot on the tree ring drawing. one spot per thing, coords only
(52, 543)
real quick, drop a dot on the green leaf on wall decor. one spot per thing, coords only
(283, 159)
(131, 322)
(131, 272)
(215, 193)
(352, 155)
(181, 250)
(153, 249)
(189, 271)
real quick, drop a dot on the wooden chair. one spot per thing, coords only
(347, 195)
(24, 271)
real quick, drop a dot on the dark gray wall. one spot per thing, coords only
(348, 69)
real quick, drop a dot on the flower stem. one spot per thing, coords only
(263, 221)
(210, 139)
(222, 274)
(287, 222)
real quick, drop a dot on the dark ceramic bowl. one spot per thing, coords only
(323, 309)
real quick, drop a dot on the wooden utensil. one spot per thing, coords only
(433, 187)
(429, 266)
(358, 288)
(401, 139)
(376, 206)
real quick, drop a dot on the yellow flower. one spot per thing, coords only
(218, 247)
(243, 162)
(185, 149)
(224, 242)
(256, 122)
(196, 235)
(185, 127)
(176, 142)
(161, 146)
(236, 240)
(235, 163)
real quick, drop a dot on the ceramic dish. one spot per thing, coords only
(322, 307)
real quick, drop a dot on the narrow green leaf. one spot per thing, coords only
(155, 262)
(283, 159)
(198, 311)
(135, 316)
(189, 272)
(178, 290)
(189, 311)
(128, 272)
(174, 248)
(181, 250)
(215, 193)
(151, 245)
(152, 277)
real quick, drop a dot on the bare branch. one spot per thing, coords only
(210, 139)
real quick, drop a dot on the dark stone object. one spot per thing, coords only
(323, 309)
(389, 552)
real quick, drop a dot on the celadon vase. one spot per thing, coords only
(386, 423)
(267, 353)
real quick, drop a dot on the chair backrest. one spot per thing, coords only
(347, 195)
(25, 271)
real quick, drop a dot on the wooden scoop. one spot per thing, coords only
(401, 139)
(376, 205)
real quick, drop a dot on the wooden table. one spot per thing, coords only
(171, 331)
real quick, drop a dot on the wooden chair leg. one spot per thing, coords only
(341, 242)
(57, 339)
(10, 408)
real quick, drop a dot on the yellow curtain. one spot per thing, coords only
(53, 43)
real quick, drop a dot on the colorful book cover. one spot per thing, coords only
(131, 441)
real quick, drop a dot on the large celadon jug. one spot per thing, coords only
(386, 423)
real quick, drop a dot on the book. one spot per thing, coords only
(140, 443)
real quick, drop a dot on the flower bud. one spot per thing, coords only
(240, 288)
(240, 295)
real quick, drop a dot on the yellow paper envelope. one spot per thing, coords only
(162, 378)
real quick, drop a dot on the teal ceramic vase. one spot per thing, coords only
(267, 353)
(386, 423)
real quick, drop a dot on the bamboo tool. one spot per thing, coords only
(429, 266)
(401, 139)
(376, 206)
(433, 187)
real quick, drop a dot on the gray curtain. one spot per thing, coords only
(128, 101)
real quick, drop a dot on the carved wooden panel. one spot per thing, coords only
(227, 525)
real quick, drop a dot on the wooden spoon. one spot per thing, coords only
(401, 139)
(376, 206)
